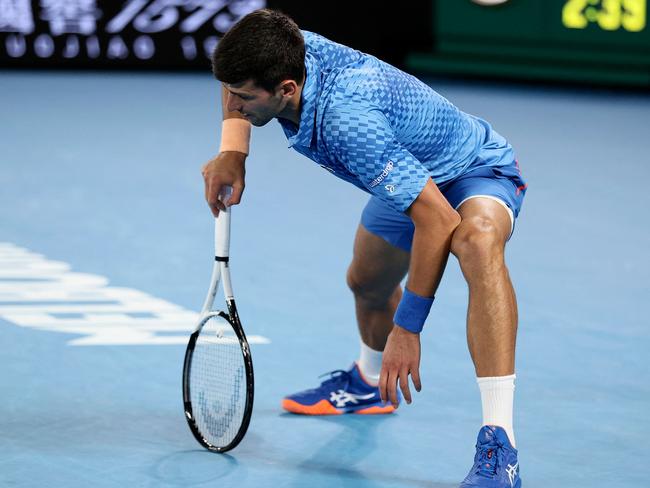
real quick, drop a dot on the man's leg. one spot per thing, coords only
(374, 275)
(479, 244)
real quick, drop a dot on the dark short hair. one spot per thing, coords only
(265, 46)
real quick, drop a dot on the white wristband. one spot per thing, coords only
(235, 135)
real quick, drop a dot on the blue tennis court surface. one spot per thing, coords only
(105, 256)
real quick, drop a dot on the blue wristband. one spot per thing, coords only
(412, 311)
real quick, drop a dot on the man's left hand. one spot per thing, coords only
(401, 358)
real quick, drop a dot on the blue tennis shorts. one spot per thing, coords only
(502, 183)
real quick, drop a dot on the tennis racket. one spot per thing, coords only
(218, 369)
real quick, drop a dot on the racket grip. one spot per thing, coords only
(222, 226)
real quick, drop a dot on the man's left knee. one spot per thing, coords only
(477, 239)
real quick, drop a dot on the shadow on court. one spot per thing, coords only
(351, 458)
(193, 467)
(342, 456)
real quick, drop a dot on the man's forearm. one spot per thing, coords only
(429, 255)
(435, 222)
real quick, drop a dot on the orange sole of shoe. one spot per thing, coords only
(376, 410)
(321, 408)
(325, 408)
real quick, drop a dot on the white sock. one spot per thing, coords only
(497, 397)
(370, 364)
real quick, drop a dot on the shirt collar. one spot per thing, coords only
(303, 136)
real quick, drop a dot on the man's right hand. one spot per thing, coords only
(227, 169)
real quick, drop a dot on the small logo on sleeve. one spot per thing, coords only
(390, 188)
(383, 175)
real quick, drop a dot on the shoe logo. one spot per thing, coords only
(342, 397)
(512, 473)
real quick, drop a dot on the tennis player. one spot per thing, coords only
(440, 181)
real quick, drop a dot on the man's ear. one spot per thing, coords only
(288, 88)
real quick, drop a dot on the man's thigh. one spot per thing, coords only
(503, 185)
(376, 264)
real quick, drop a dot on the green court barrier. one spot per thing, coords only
(589, 41)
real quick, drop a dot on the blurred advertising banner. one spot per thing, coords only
(183, 33)
(104, 33)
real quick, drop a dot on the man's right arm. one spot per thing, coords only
(228, 167)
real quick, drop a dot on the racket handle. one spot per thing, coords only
(222, 226)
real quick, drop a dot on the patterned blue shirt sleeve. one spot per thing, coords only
(361, 138)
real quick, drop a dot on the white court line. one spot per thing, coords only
(35, 292)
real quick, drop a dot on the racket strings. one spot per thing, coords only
(218, 382)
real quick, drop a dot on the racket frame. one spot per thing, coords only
(220, 272)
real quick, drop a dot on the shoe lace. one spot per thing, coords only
(487, 460)
(336, 377)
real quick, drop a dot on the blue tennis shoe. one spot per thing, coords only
(495, 462)
(343, 392)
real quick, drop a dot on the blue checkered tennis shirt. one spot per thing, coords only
(384, 130)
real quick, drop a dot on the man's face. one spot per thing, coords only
(257, 105)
